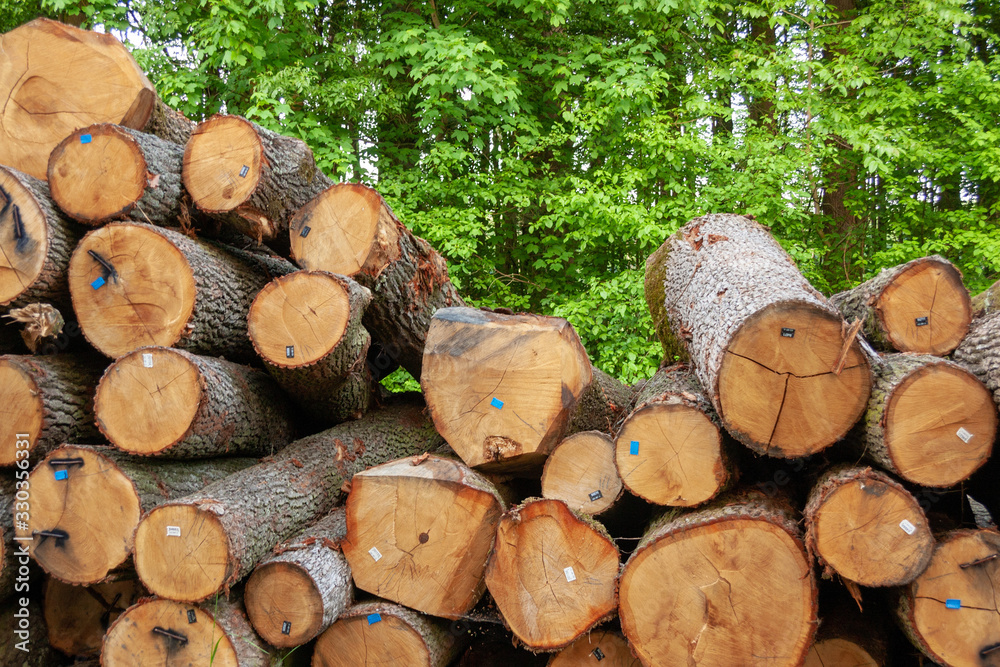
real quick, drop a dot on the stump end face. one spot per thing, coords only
(182, 553)
(92, 504)
(24, 238)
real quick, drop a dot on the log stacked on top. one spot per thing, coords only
(217, 365)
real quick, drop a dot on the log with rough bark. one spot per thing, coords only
(603, 406)
(724, 585)
(55, 78)
(867, 528)
(552, 573)
(929, 420)
(36, 241)
(670, 450)
(25, 641)
(980, 352)
(306, 326)
(87, 501)
(46, 401)
(8, 547)
(155, 631)
(349, 229)
(920, 306)
(254, 178)
(135, 285)
(949, 611)
(78, 616)
(603, 646)
(502, 388)
(303, 586)
(160, 401)
(381, 633)
(190, 548)
(419, 532)
(581, 472)
(109, 172)
(772, 355)
(986, 302)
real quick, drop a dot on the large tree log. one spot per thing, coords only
(603, 406)
(135, 285)
(929, 420)
(46, 401)
(162, 632)
(603, 646)
(867, 528)
(581, 472)
(229, 526)
(552, 573)
(77, 617)
(255, 178)
(949, 611)
(36, 241)
(725, 585)
(501, 388)
(986, 302)
(160, 401)
(108, 172)
(770, 352)
(670, 450)
(303, 586)
(8, 547)
(380, 633)
(419, 532)
(55, 78)
(920, 306)
(89, 501)
(980, 352)
(306, 326)
(349, 229)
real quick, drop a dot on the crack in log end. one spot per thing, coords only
(499, 448)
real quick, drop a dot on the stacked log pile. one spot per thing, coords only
(213, 473)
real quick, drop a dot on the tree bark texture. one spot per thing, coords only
(603, 405)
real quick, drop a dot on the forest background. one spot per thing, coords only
(547, 147)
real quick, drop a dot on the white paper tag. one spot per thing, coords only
(147, 359)
(173, 531)
(375, 554)
(964, 435)
(907, 527)
(570, 574)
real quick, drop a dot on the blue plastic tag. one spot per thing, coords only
(85, 138)
(634, 448)
(98, 284)
(953, 604)
(62, 474)
(374, 618)
(496, 403)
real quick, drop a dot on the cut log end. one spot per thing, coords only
(162, 632)
(925, 308)
(600, 648)
(722, 589)
(24, 237)
(300, 318)
(551, 574)
(869, 529)
(778, 392)
(839, 651)
(420, 534)
(22, 408)
(68, 543)
(501, 388)
(131, 287)
(148, 399)
(222, 163)
(581, 472)
(345, 229)
(97, 173)
(77, 617)
(949, 611)
(379, 634)
(671, 454)
(935, 442)
(182, 552)
(283, 604)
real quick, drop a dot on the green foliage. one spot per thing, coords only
(547, 148)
